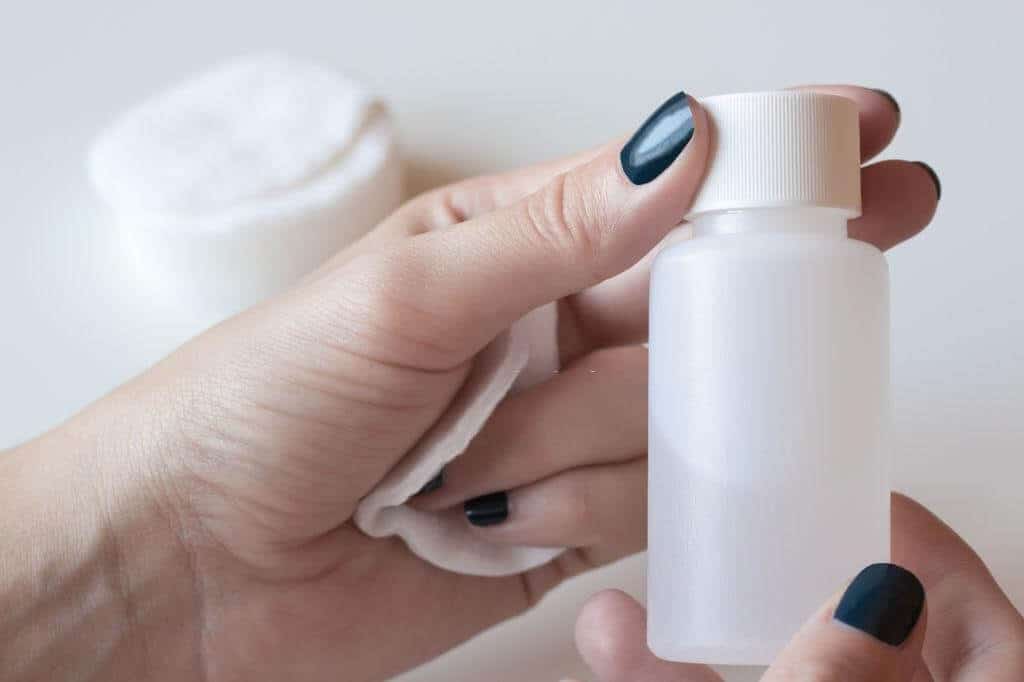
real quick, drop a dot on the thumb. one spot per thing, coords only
(584, 225)
(873, 633)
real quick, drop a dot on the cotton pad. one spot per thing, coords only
(235, 183)
(521, 357)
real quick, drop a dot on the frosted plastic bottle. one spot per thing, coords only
(769, 386)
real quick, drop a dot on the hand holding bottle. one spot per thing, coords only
(881, 628)
(197, 521)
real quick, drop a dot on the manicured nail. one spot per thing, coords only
(892, 100)
(884, 601)
(935, 178)
(487, 510)
(433, 484)
(659, 140)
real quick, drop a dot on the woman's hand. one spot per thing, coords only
(197, 521)
(567, 458)
(876, 631)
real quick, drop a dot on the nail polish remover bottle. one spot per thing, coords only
(769, 386)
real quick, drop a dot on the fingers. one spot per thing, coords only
(593, 412)
(615, 311)
(975, 633)
(899, 200)
(611, 635)
(467, 199)
(601, 510)
(873, 633)
(455, 203)
(463, 285)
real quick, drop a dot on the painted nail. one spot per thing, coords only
(487, 510)
(658, 142)
(935, 178)
(433, 484)
(885, 601)
(892, 100)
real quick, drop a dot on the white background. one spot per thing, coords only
(479, 86)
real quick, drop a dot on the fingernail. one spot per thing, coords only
(892, 100)
(885, 601)
(659, 140)
(433, 484)
(487, 510)
(935, 178)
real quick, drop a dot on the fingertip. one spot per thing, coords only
(701, 126)
(884, 601)
(671, 134)
(899, 199)
(874, 630)
(661, 166)
(610, 633)
(701, 151)
(934, 177)
(880, 118)
(609, 610)
(892, 100)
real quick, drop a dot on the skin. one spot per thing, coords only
(196, 523)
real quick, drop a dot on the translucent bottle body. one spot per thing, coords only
(769, 407)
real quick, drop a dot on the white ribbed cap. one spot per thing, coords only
(781, 149)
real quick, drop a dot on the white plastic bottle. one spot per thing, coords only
(769, 386)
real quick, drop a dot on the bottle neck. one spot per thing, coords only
(818, 221)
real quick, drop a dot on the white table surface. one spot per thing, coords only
(481, 86)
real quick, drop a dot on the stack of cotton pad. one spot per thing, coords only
(235, 183)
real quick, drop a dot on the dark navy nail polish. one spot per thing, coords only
(433, 484)
(487, 510)
(892, 100)
(658, 142)
(935, 178)
(885, 601)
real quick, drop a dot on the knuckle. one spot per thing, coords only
(580, 511)
(387, 312)
(563, 217)
(442, 207)
(434, 210)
